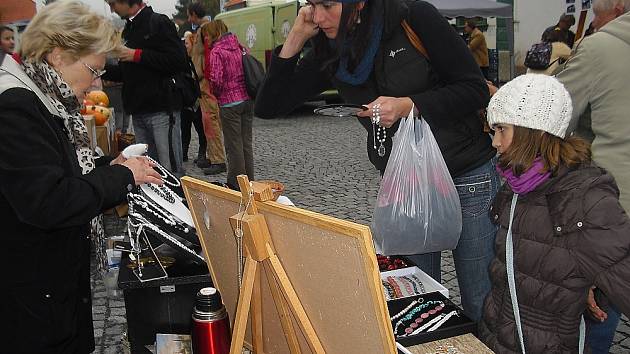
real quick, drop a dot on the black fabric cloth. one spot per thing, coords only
(568, 234)
(147, 85)
(448, 91)
(46, 205)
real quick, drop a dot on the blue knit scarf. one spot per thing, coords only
(363, 70)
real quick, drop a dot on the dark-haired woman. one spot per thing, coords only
(560, 52)
(363, 50)
(561, 227)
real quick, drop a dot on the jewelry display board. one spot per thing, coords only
(330, 263)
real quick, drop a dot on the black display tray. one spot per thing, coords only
(455, 326)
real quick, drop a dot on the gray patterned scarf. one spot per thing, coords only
(65, 101)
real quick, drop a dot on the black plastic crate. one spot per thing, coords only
(160, 306)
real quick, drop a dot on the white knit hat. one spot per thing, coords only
(533, 101)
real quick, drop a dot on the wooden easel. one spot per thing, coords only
(581, 24)
(260, 255)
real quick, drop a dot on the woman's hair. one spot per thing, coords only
(71, 26)
(5, 28)
(555, 36)
(213, 30)
(528, 144)
(471, 24)
(348, 28)
(198, 9)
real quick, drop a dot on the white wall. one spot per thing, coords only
(532, 17)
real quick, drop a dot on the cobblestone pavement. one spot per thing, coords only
(323, 165)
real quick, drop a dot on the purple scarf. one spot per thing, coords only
(528, 180)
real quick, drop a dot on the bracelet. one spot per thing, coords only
(443, 320)
(389, 291)
(419, 282)
(409, 315)
(416, 322)
(404, 311)
(396, 286)
(436, 323)
(426, 325)
(408, 286)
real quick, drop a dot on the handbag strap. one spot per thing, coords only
(414, 39)
(509, 263)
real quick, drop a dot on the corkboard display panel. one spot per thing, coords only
(330, 262)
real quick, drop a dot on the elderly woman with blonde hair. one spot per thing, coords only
(51, 187)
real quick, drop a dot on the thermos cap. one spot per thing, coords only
(208, 300)
(208, 291)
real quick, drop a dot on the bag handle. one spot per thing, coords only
(414, 39)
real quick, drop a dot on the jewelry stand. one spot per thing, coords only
(260, 255)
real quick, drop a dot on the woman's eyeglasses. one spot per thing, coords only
(95, 73)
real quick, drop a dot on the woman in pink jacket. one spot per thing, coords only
(224, 71)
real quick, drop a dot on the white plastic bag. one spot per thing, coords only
(417, 209)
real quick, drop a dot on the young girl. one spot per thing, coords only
(561, 228)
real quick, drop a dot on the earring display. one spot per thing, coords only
(425, 318)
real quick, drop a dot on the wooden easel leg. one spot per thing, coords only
(257, 320)
(242, 310)
(294, 302)
(283, 312)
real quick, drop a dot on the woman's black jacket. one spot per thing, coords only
(448, 89)
(46, 205)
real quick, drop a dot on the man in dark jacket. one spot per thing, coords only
(147, 67)
(564, 24)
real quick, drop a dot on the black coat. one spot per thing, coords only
(448, 91)
(46, 205)
(147, 84)
(568, 234)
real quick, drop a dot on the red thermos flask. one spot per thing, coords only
(210, 327)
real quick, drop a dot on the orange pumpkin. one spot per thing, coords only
(101, 114)
(98, 97)
(86, 103)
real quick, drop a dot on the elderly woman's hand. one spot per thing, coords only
(118, 160)
(142, 170)
(389, 109)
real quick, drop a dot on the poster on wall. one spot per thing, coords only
(570, 9)
(586, 4)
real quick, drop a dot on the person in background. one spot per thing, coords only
(213, 158)
(224, 71)
(51, 187)
(561, 227)
(565, 23)
(597, 80)
(7, 40)
(478, 46)
(560, 52)
(192, 116)
(147, 66)
(363, 50)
